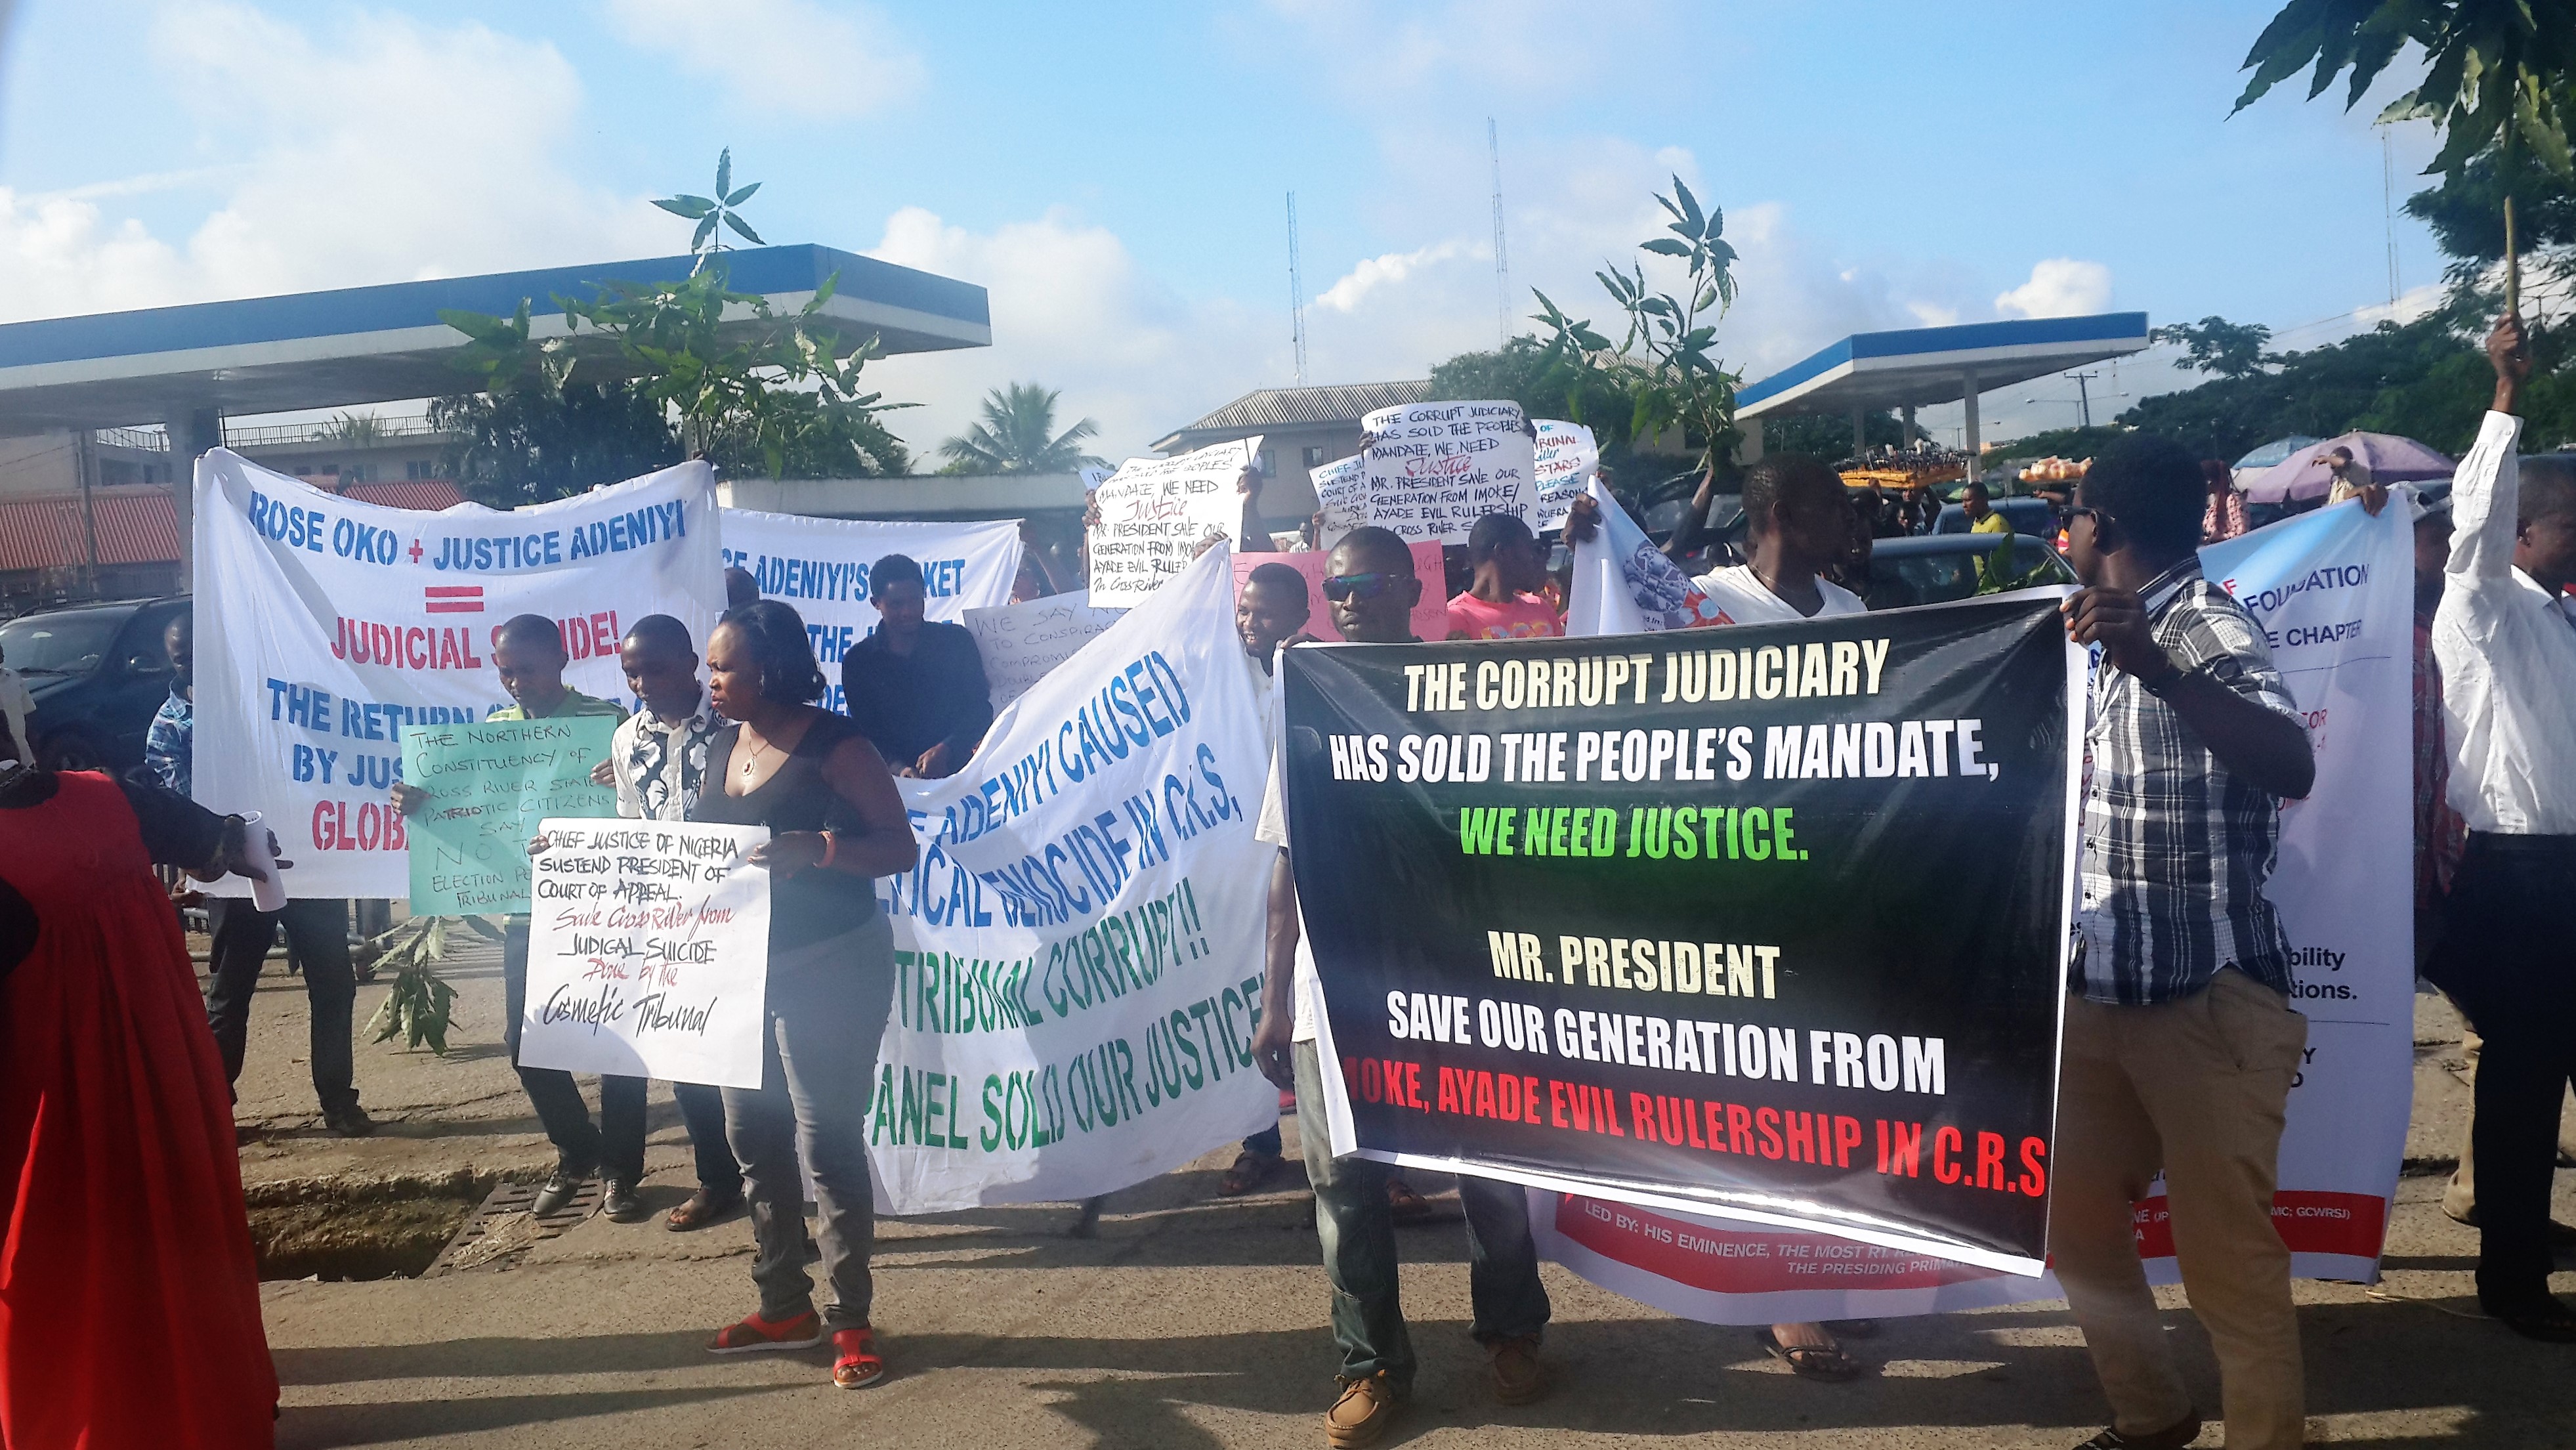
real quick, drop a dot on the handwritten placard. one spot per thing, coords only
(1021, 642)
(1341, 496)
(1566, 456)
(1430, 617)
(1155, 512)
(648, 952)
(489, 784)
(1436, 468)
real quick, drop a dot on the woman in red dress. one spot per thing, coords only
(129, 1302)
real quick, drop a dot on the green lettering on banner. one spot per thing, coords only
(489, 784)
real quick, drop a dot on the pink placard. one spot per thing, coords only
(1430, 617)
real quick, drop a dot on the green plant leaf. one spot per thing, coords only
(705, 229)
(739, 197)
(692, 207)
(724, 171)
(1665, 246)
(743, 231)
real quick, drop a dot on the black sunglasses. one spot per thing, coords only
(1338, 587)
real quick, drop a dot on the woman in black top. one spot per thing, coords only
(836, 823)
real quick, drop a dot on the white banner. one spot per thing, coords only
(648, 951)
(1155, 512)
(1566, 459)
(2334, 592)
(325, 626)
(1079, 954)
(1623, 584)
(820, 566)
(1021, 642)
(1341, 496)
(1436, 468)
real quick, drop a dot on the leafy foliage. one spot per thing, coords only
(419, 1007)
(550, 439)
(748, 386)
(2216, 345)
(2466, 215)
(1828, 436)
(1017, 436)
(707, 211)
(1664, 367)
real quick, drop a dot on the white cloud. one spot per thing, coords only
(1072, 310)
(2059, 287)
(2411, 304)
(793, 57)
(315, 194)
(1346, 294)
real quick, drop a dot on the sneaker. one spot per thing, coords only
(618, 1203)
(2172, 1437)
(1518, 1376)
(855, 1361)
(1361, 1415)
(755, 1334)
(349, 1122)
(559, 1190)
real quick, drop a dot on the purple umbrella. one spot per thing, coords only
(2391, 459)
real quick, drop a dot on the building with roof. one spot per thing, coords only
(1300, 429)
(186, 369)
(1916, 366)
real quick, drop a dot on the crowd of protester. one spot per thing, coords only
(2180, 1045)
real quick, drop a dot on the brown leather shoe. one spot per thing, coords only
(1518, 1376)
(1361, 1415)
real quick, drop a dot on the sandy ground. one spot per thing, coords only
(1189, 1322)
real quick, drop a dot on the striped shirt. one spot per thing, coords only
(2176, 849)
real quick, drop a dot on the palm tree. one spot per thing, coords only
(1018, 436)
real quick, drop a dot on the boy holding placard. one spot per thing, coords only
(528, 652)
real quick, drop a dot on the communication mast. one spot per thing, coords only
(1296, 293)
(1502, 261)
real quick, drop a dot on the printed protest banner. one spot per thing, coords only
(325, 627)
(1430, 616)
(1436, 468)
(489, 784)
(820, 566)
(1079, 954)
(1681, 926)
(1155, 512)
(2333, 591)
(1021, 642)
(1566, 458)
(1341, 496)
(648, 953)
(1623, 584)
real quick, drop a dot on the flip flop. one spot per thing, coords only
(1249, 1173)
(1812, 1361)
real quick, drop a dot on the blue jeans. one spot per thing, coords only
(1358, 1233)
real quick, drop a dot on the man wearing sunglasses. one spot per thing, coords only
(1370, 585)
(2180, 1043)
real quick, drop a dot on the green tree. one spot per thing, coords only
(551, 438)
(1828, 435)
(1018, 436)
(2498, 75)
(1665, 367)
(2216, 345)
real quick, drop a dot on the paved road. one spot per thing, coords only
(1188, 1323)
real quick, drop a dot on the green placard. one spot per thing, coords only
(489, 785)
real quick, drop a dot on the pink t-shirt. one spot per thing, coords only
(1524, 617)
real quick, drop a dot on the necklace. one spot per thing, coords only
(757, 750)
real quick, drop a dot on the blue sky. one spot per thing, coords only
(1114, 173)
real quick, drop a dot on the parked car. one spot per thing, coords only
(2032, 516)
(1937, 568)
(98, 673)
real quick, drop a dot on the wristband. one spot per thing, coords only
(831, 848)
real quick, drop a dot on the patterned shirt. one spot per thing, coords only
(2223, 518)
(169, 747)
(2176, 849)
(662, 764)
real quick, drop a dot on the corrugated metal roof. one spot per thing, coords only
(1284, 407)
(426, 494)
(135, 526)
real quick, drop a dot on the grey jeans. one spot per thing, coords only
(827, 1007)
(1357, 1227)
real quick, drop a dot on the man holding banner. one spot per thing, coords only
(2179, 1042)
(1372, 588)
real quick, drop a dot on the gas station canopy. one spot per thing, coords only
(358, 345)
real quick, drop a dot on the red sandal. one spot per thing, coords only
(855, 1362)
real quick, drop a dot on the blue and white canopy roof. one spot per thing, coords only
(1925, 365)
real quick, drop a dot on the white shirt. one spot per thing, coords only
(16, 705)
(1742, 598)
(1307, 991)
(2508, 657)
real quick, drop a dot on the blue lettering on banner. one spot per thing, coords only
(293, 525)
(616, 534)
(2332, 576)
(839, 580)
(2307, 634)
